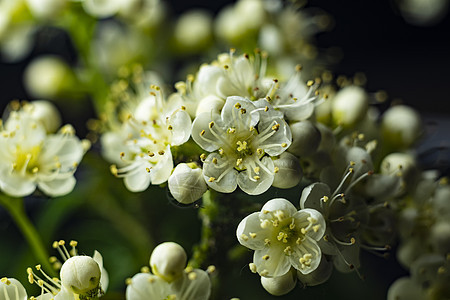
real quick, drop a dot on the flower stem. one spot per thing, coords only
(16, 209)
(207, 213)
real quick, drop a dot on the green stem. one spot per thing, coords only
(208, 214)
(16, 209)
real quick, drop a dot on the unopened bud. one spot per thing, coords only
(186, 184)
(168, 261)
(80, 274)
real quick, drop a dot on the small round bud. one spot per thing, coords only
(193, 31)
(281, 285)
(319, 275)
(168, 261)
(48, 77)
(186, 184)
(288, 171)
(327, 138)
(349, 106)
(401, 127)
(404, 165)
(46, 113)
(305, 138)
(208, 104)
(80, 274)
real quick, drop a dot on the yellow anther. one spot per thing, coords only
(266, 242)
(244, 237)
(243, 110)
(214, 160)
(38, 267)
(276, 169)
(310, 83)
(260, 151)
(237, 105)
(352, 240)
(252, 267)
(265, 257)
(266, 108)
(35, 170)
(5, 281)
(151, 154)
(241, 145)
(252, 235)
(256, 169)
(202, 132)
(221, 152)
(192, 276)
(169, 127)
(256, 177)
(287, 250)
(161, 152)
(231, 130)
(238, 162)
(203, 156)
(128, 281)
(147, 170)
(211, 179)
(284, 145)
(211, 269)
(325, 198)
(303, 230)
(265, 224)
(276, 127)
(211, 124)
(316, 228)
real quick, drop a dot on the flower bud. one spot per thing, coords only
(186, 184)
(402, 164)
(349, 106)
(305, 138)
(401, 126)
(280, 285)
(208, 104)
(288, 171)
(405, 288)
(193, 31)
(48, 77)
(168, 261)
(46, 113)
(11, 288)
(440, 237)
(80, 274)
(319, 275)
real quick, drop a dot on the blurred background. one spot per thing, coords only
(409, 60)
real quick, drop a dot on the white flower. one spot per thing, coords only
(282, 237)
(81, 277)
(245, 135)
(141, 145)
(30, 157)
(12, 289)
(171, 279)
(186, 183)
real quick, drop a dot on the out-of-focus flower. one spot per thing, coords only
(49, 77)
(401, 127)
(245, 135)
(423, 12)
(289, 172)
(141, 145)
(186, 183)
(12, 289)
(30, 157)
(171, 280)
(193, 32)
(349, 106)
(282, 236)
(81, 277)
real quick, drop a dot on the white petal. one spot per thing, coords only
(57, 187)
(312, 194)
(181, 127)
(206, 81)
(220, 176)
(308, 246)
(277, 263)
(405, 288)
(279, 204)
(233, 113)
(208, 141)
(138, 179)
(247, 227)
(273, 145)
(302, 215)
(246, 179)
(14, 290)
(195, 285)
(146, 286)
(15, 185)
(161, 171)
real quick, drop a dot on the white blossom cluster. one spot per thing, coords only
(263, 117)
